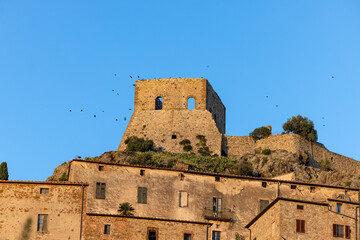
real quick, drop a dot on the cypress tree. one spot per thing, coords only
(4, 175)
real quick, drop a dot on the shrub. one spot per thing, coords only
(243, 168)
(266, 151)
(4, 175)
(302, 126)
(259, 133)
(126, 209)
(63, 177)
(136, 144)
(239, 237)
(203, 150)
(186, 145)
(144, 159)
(325, 164)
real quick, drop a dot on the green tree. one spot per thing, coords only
(4, 175)
(135, 144)
(302, 126)
(63, 177)
(261, 132)
(126, 209)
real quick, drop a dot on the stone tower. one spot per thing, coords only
(161, 113)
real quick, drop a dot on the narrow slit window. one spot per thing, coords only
(191, 103)
(142, 172)
(158, 103)
(293, 186)
(101, 168)
(217, 179)
(107, 229)
(264, 184)
(300, 207)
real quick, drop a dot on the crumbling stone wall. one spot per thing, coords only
(240, 195)
(174, 122)
(240, 145)
(130, 228)
(21, 202)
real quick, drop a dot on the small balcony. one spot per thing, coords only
(225, 215)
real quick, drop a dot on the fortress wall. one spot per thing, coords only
(174, 92)
(185, 124)
(216, 107)
(20, 204)
(240, 145)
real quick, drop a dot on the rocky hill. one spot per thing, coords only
(260, 163)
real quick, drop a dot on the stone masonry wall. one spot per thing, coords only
(239, 145)
(167, 127)
(216, 107)
(240, 197)
(20, 203)
(136, 228)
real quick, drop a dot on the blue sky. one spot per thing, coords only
(62, 55)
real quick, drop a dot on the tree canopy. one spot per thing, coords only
(4, 175)
(302, 126)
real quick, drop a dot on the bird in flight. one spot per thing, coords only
(134, 85)
(267, 96)
(94, 115)
(112, 90)
(116, 119)
(124, 118)
(115, 74)
(70, 110)
(130, 76)
(130, 109)
(276, 105)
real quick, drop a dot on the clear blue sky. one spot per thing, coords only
(62, 55)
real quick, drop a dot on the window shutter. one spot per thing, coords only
(144, 195)
(219, 206)
(139, 194)
(297, 226)
(180, 199)
(334, 230)
(45, 223)
(103, 186)
(303, 226)
(347, 231)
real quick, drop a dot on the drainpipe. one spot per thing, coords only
(278, 190)
(356, 221)
(207, 232)
(250, 233)
(82, 209)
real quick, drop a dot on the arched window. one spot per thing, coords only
(158, 103)
(191, 103)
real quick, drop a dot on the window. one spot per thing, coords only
(107, 229)
(217, 179)
(158, 103)
(293, 186)
(142, 195)
(173, 136)
(263, 205)
(187, 236)
(142, 172)
(152, 234)
(217, 207)
(181, 177)
(339, 208)
(100, 190)
(215, 235)
(338, 231)
(44, 190)
(300, 207)
(42, 223)
(101, 168)
(191, 103)
(312, 189)
(183, 199)
(263, 184)
(300, 226)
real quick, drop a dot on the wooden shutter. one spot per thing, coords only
(144, 195)
(102, 189)
(219, 207)
(297, 225)
(347, 231)
(334, 230)
(303, 226)
(139, 194)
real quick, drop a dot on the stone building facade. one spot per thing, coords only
(305, 220)
(227, 202)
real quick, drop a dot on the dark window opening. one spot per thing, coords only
(44, 190)
(152, 234)
(187, 236)
(293, 186)
(263, 205)
(217, 202)
(215, 235)
(142, 195)
(42, 223)
(100, 190)
(173, 136)
(264, 184)
(181, 177)
(107, 229)
(300, 207)
(142, 172)
(191, 103)
(158, 103)
(217, 179)
(312, 189)
(338, 207)
(300, 226)
(101, 168)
